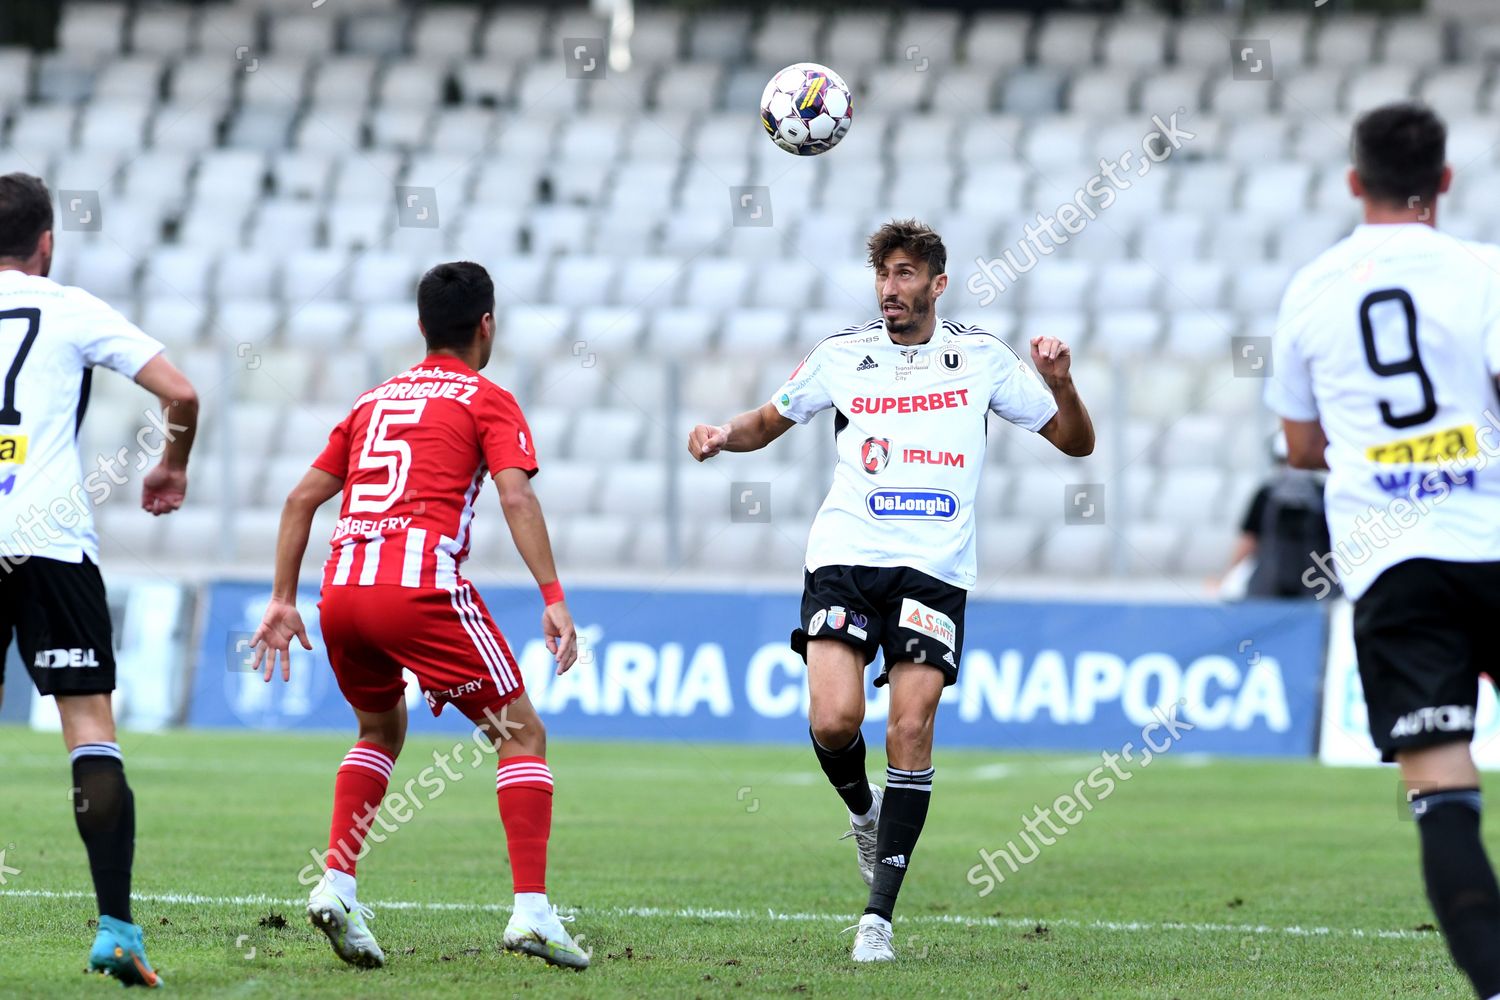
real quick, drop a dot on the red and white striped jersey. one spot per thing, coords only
(413, 454)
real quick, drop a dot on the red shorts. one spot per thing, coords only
(446, 638)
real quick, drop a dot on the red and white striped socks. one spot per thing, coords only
(358, 791)
(523, 786)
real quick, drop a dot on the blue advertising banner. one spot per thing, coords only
(715, 666)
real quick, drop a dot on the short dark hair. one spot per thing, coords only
(25, 214)
(916, 238)
(1398, 151)
(451, 300)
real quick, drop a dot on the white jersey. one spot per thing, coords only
(1390, 338)
(910, 432)
(51, 336)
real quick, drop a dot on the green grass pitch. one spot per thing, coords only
(705, 870)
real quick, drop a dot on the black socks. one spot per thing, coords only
(1461, 883)
(902, 814)
(846, 772)
(104, 809)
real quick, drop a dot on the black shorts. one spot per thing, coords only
(903, 613)
(61, 620)
(1423, 635)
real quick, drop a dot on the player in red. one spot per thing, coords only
(410, 460)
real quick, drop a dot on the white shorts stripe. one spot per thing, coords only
(476, 635)
(411, 565)
(507, 665)
(372, 560)
(346, 561)
(497, 661)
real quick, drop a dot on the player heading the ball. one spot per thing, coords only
(891, 554)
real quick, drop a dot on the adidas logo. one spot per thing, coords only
(866, 364)
(895, 861)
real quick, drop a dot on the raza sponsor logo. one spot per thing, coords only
(13, 449)
(896, 504)
(1451, 444)
(920, 403)
(924, 456)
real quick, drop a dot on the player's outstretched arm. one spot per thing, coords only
(1071, 430)
(165, 486)
(749, 431)
(523, 513)
(274, 637)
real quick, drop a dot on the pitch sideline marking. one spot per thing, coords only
(709, 913)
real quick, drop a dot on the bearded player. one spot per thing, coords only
(410, 460)
(890, 558)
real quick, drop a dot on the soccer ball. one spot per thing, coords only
(806, 109)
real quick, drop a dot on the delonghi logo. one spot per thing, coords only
(897, 504)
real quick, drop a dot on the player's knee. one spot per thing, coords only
(909, 732)
(529, 739)
(385, 739)
(834, 728)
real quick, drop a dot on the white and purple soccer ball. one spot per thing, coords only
(806, 109)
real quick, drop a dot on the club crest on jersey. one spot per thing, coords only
(521, 439)
(875, 453)
(899, 504)
(952, 359)
(836, 618)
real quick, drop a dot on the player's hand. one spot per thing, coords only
(562, 637)
(274, 638)
(706, 441)
(1052, 358)
(163, 489)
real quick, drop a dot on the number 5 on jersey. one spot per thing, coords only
(380, 451)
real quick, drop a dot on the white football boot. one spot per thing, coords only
(864, 837)
(346, 925)
(872, 939)
(544, 936)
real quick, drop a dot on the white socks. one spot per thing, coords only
(532, 907)
(865, 819)
(342, 884)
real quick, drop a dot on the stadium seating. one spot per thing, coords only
(251, 192)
